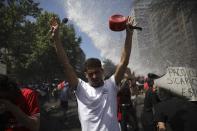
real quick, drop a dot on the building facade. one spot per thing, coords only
(169, 36)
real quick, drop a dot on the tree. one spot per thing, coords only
(42, 63)
(16, 33)
(27, 50)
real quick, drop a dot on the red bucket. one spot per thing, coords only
(117, 22)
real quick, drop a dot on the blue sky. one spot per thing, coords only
(91, 21)
(87, 46)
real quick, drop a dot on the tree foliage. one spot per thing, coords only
(27, 49)
(43, 60)
(16, 30)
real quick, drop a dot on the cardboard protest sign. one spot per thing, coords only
(181, 81)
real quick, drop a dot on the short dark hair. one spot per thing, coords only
(151, 78)
(6, 83)
(92, 63)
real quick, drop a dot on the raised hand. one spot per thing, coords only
(54, 28)
(129, 25)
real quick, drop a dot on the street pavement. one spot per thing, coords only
(52, 118)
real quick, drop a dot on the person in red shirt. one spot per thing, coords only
(19, 108)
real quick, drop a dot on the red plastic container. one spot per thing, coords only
(117, 22)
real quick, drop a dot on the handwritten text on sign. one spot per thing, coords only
(183, 80)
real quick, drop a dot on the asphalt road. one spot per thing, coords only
(52, 118)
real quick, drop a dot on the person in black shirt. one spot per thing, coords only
(150, 100)
(129, 118)
(175, 113)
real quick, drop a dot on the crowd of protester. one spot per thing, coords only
(180, 115)
(103, 105)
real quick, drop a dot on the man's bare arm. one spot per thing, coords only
(124, 61)
(70, 74)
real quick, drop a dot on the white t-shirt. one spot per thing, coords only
(97, 107)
